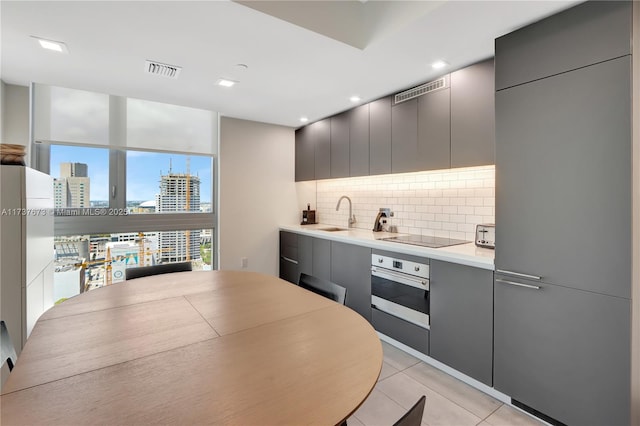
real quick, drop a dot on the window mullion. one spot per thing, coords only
(117, 179)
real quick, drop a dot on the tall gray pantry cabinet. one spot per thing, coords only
(563, 209)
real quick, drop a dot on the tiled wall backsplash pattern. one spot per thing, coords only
(446, 203)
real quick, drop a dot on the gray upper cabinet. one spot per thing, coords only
(589, 33)
(340, 125)
(351, 268)
(564, 352)
(404, 136)
(359, 141)
(380, 136)
(322, 144)
(305, 154)
(420, 133)
(461, 316)
(473, 130)
(434, 131)
(563, 178)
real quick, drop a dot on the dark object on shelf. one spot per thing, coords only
(308, 216)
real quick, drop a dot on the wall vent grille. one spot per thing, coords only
(432, 86)
(164, 70)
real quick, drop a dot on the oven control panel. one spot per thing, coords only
(400, 265)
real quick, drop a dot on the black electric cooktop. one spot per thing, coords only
(420, 240)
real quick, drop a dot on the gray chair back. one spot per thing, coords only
(7, 349)
(165, 268)
(324, 288)
(413, 417)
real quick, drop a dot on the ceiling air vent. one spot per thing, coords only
(420, 90)
(164, 70)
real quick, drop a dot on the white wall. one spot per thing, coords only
(257, 192)
(15, 114)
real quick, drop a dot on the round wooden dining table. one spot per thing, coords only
(206, 347)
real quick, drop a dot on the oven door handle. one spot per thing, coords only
(389, 308)
(421, 283)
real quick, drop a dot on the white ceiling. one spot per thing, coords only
(292, 71)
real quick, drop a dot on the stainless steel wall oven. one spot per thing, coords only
(400, 288)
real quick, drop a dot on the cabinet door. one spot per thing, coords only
(359, 141)
(289, 269)
(404, 136)
(321, 258)
(589, 33)
(305, 162)
(473, 130)
(434, 131)
(351, 268)
(380, 136)
(563, 352)
(305, 255)
(563, 178)
(340, 145)
(322, 144)
(461, 316)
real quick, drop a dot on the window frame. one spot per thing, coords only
(139, 222)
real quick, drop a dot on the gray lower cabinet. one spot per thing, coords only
(305, 154)
(340, 125)
(305, 255)
(401, 330)
(563, 352)
(380, 136)
(321, 258)
(351, 268)
(461, 317)
(589, 33)
(473, 130)
(289, 269)
(563, 178)
(359, 141)
(321, 135)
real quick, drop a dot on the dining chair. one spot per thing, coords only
(413, 417)
(165, 268)
(324, 288)
(8, 351)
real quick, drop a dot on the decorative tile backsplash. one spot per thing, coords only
(447, 203)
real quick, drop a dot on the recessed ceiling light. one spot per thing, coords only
(304, 119)
(56, 46)
(225, 83)
(439, 64)
(355, 99)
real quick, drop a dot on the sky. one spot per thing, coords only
(143, 170)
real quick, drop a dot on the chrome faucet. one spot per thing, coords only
(352, 218)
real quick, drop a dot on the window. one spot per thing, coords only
(81, 176)
(119, 185)
(87, 262)
(168, 182)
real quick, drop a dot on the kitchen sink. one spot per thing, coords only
(333, 229)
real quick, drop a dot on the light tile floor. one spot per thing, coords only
(450, 402)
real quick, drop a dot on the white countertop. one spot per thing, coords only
(464, 254)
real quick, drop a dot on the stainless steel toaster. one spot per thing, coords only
(486, 235)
